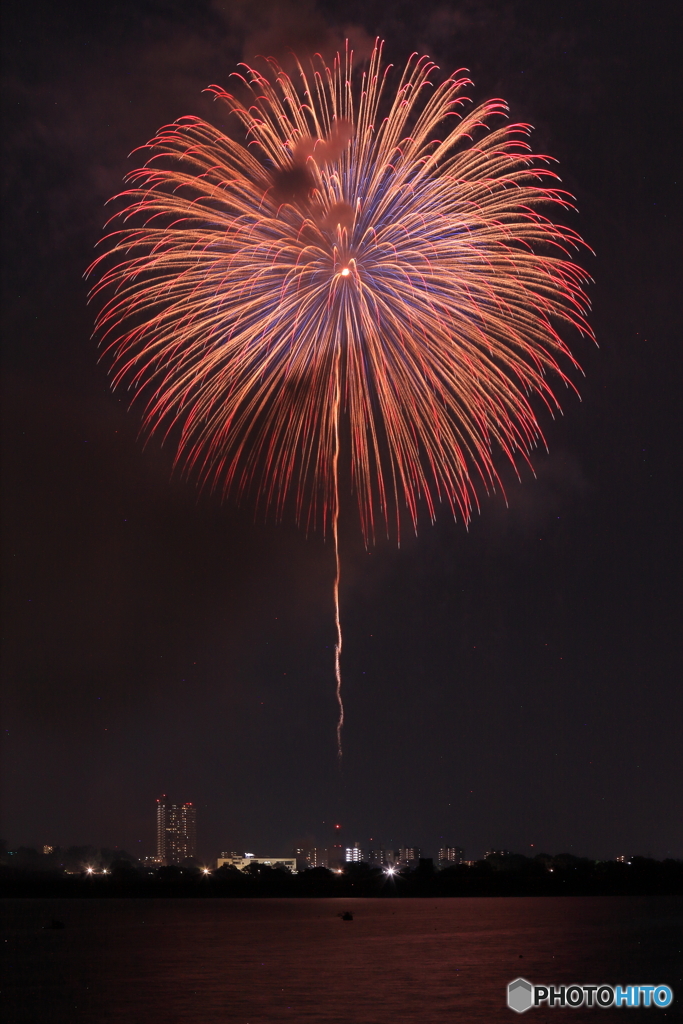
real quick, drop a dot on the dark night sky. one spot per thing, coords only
(515, 684)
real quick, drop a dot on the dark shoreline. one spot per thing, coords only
(642, 877)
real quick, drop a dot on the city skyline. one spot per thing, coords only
(87, 860)
(173, 839)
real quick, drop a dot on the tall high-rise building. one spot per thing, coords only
(176, 831)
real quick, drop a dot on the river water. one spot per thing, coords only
(398, 961)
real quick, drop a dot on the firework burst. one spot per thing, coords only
(366, 276)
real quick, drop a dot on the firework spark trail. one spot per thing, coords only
(381, 257)
(335, 535)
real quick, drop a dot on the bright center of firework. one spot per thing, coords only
(345, 272)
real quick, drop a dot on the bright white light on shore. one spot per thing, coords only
(90, 871)
(345, 272)
(206, 871)
(390, 871)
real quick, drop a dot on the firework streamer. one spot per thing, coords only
(335, 533)
(383, 260)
